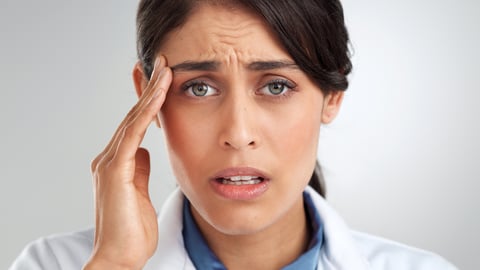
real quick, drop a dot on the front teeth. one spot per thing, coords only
(239, 183)
(241, 180)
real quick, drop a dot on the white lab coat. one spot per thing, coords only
(343, 249)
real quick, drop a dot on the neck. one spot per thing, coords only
(263, 249)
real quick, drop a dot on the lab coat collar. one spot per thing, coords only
(338, 252)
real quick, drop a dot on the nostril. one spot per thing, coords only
(229, 144)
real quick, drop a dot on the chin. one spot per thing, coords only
(240, 220)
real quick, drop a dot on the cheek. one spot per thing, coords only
(295, 133)
(187, 140)
(293, 141)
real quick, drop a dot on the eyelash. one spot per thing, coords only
(290, 86)
(190, 84)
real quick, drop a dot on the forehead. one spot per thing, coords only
(222, 33)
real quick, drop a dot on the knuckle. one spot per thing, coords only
(133, 111)
(99, 164)
(129, 131)
(94, 163)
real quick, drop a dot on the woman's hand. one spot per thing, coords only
(126, 231)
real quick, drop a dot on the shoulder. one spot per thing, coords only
(72, 250)
(382, 253)
(347, 249)
(60, 251)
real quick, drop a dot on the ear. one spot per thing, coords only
(331, 106)
(140, 81)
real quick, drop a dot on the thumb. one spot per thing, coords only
(142, 171)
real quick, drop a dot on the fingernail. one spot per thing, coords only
(156, 65)
(160, 61)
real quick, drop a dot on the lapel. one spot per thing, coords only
(338, 253)
(170, 253)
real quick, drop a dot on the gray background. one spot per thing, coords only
(401, 160)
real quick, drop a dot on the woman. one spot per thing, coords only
(240, 89)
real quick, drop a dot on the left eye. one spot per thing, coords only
(277, 88)
(199, 89)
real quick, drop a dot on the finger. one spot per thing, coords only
(136, 128)
(152, 86)
(142, 171)
(160, 63)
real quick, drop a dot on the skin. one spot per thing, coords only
(125, 220)
(239, 123)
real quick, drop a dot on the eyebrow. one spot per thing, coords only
(268, 65)
(214, 65)
(196, 66)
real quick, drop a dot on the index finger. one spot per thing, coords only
(153, 87)
(136, 126)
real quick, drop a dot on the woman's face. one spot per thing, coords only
(241, 120)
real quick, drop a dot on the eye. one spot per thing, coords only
(199, 89)
(277, 87)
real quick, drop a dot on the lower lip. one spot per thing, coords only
(240, 192)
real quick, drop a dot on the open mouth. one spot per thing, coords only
(240, 183)
(240, 180)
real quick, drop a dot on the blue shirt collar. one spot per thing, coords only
(203, 257)
(198, 251)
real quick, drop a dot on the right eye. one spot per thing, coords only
(199, 89)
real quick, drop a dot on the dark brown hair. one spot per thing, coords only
(312, 31)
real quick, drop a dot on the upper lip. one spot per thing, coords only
(240, 171)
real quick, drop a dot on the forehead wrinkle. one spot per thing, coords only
(229, 40)
(224, 55)
(220, 56)
(226, 24)
(213, 65)
(233, 21)
(231, 34)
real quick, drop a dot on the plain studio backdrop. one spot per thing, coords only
(401, 160)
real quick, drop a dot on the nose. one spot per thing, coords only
(239, 125)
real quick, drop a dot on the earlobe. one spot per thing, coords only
(331, 106)
(140, 81)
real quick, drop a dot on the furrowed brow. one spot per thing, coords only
(268, 65)
(196, 66)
